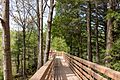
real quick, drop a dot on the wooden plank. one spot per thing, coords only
(67, 59)
(49, 71)
(76, 73)
(92, 73)
(76, 70)
(63, 71)
(80, 69)
(43, 71)
(95, 75)
(107, 71)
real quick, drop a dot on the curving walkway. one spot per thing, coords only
(62, 70)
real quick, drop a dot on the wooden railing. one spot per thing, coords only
(45, 72)
(87, 70)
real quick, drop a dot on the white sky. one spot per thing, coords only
(45, 17)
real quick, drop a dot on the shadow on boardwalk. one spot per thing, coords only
(62, 70)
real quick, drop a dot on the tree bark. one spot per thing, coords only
(7, 66)
(18, 54)
(80, 43)
(105, 23)
(96, 33)
(89, 49)
(24, 53)
(40, 30)
(97, 44)
(24, 42)
(18, 62)
(48, 36)
(109, 40)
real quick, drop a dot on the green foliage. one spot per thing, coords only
(70, 24)
(69, 34)
(116, 66)
(59, 44)
(115, 56)
(66, 23)
(1, 75)
(17, 50)
(113, 14)
(115, 17)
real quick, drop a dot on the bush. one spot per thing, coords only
(115, 56)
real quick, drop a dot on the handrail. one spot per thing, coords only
(89, 70)
(45, 72)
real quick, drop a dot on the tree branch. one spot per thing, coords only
(2, 21)
(45, 5)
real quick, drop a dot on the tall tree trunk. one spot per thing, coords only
(97, 44)
(24, 53)
(35, 58)
(24, 42)
(40, 21)
(111, 6)
(21, 62)
(71, 47)
(80, 43)
(96, 33)
(78, 51)
(89, 48)
(18, 62)
(6, 42)
(71, 44)
(105, 23)
(18, 54)
(48, 36)
(28, 56)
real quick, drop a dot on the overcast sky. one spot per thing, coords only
(45, 17)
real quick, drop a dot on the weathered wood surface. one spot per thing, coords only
(92, 69)
(73, 68)
(55, 69)
(45, 72)
(62, 70)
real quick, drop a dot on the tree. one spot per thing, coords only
(18, 53)
(111, 6)
(69, 25)
(24, 19)
(96, 32)
(59, 44)
(89, 48)
(6, 41)
(48, 36)
(40, 33)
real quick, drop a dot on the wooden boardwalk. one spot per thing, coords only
(58, 69)
(62, 70)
